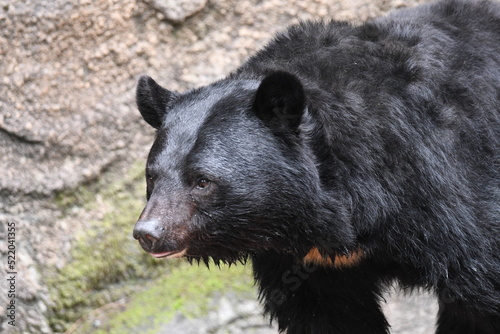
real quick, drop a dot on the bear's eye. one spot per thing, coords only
(149, 178)
(202, 183)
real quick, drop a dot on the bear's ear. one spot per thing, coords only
(152, 101)
(280, 98)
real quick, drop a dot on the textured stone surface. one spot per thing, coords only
(68, 71)
(177, 11)
(230, 314)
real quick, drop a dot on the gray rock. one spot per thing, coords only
(177, 11)
(229, 314)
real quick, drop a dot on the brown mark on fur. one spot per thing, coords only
(314, 257)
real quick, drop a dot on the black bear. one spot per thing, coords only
(340, 158)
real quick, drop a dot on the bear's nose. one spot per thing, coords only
(147, 232)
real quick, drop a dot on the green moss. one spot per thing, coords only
(104, 254)
(186, 289)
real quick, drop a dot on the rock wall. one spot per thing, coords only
(68, 71)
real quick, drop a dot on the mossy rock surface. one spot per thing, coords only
(104, 254)
(186, 290)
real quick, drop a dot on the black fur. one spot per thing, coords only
(381, 138)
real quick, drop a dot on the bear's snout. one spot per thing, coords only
(162, 229)
(147, 232)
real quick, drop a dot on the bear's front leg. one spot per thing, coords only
(311, 299)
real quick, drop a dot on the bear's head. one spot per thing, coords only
(231, 172)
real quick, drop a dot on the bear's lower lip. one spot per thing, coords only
(170, 255)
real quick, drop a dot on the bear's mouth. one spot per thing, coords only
(171, 254)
